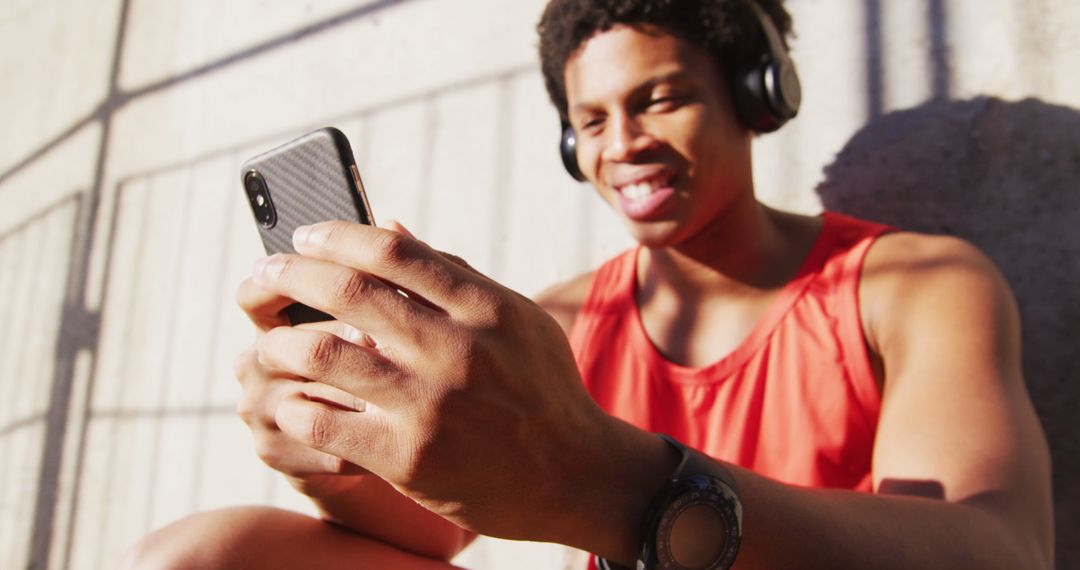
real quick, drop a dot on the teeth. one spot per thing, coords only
(643, 189)
(638, 191)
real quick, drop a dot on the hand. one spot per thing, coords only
(474, 406)
(312, 472)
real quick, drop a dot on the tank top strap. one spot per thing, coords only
(855, 237)
(611, 289)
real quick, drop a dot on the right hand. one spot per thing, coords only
(312, 472)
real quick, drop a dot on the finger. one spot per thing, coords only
(343, 330)
(264, 308)
(396, 226)
(363, 373)
(332, 396)
(360, 438)
(291, 457)
(263, 390)
(397, 258)
(350, 295)
(460, 262)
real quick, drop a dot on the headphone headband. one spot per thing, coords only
(777, 46)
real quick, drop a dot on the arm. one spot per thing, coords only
(466, 369)
(956, 422)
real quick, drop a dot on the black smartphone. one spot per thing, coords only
(305, 181)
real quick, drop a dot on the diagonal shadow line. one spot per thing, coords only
(39, 215)
(276, 137)
(54, 142)
(118, 97)
(20, 423)
(270, 45)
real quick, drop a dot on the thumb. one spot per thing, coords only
(396, 226)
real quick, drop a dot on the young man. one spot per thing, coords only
(852, 396)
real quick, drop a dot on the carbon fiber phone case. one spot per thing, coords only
(308, 180)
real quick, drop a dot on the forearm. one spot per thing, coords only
(375, 509)
(793, 527)
(789, 527)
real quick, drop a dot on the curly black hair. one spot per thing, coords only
(727, 28)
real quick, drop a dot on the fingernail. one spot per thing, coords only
(352, 334)
(267, 269)
(302, 235)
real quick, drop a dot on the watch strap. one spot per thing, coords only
(691, 462)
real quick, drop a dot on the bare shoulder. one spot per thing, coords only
(908, 273)
(898, 254)
(563, 300)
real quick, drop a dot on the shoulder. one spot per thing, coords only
(563, 301)
(919, 288)
(904, 263)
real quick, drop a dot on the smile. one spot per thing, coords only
(646, 197)
(641, 189)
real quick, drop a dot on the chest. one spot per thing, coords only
(698, 332)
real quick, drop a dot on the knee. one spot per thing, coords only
(215, 539)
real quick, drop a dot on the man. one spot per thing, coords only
(859, 390)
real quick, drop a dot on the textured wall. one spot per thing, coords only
(123, 231)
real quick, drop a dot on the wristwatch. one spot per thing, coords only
(701, 492)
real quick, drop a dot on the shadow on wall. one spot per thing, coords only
(1005, 176)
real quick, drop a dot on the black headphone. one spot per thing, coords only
(767, 92)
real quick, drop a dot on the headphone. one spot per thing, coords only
(766, 92)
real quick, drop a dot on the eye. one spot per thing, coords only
(592, 125)
(664, 103)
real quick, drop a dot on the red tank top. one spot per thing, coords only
(796, 401)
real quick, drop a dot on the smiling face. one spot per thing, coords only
(657, 133)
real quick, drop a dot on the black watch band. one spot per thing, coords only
(696, 479)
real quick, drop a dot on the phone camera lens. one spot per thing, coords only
(259, 196)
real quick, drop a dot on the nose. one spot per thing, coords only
(626, 139)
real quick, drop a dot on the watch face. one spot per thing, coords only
(701, 527)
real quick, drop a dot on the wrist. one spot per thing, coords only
(624, 471)
(696, 521)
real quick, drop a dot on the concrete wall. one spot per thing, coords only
(123, 232)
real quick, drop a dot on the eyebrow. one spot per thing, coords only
(670, 77)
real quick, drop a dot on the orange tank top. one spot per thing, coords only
(796, 401)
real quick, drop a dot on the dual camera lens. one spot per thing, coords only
(259, 198)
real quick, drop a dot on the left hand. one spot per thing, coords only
(475, 407)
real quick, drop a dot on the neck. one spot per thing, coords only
(751, 249)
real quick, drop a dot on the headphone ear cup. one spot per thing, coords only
(767, 95)
(785, 91)
(568, 151)
(751, 99)
(767, 92)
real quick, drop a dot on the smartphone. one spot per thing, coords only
(308, 180)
